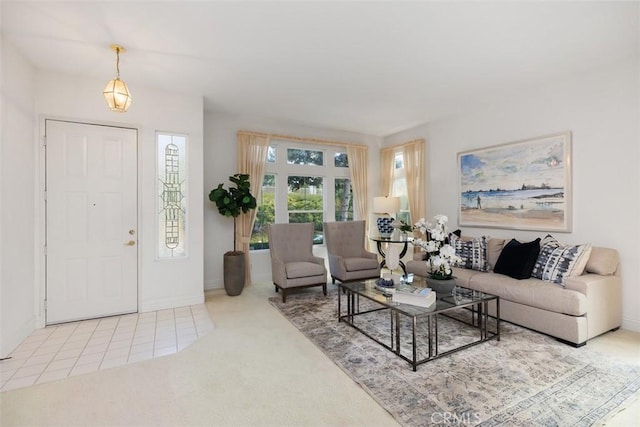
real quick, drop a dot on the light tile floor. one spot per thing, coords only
(60, 351)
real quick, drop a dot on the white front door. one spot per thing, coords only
(91, 209)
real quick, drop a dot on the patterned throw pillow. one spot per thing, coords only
(557, 261)
(473, 252)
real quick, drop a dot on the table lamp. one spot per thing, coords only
(388, 206)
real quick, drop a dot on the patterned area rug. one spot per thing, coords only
(524, 379)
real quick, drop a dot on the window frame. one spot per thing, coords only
(281, 169)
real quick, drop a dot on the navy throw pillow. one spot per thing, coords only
(518, 259)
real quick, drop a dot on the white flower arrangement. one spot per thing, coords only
(441, 256)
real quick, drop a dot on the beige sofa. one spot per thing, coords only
(586, 306)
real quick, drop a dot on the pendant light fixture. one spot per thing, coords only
(117, 93)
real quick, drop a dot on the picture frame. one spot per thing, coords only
(522, 185)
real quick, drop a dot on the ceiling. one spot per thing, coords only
(369, 67)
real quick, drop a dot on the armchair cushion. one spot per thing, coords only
(297, 269)
(357, 264)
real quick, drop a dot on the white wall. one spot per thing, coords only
(162, 284)
(601, 109)
(17, 200)
(221, 161)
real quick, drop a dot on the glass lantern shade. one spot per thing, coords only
(117, 95)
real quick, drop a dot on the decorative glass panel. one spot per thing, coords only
(297, 156)
(172, 195)
(265, 215)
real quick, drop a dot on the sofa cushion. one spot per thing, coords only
(531, 292)
(603, 261)
(463, 275)
(557, 261)
(357, 264)
(517, 259)
(472, 252)
(494, 249)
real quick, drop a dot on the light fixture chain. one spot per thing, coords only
(118, 62)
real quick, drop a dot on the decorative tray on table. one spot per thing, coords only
(386, 286)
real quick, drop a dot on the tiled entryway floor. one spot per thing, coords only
(59, 351)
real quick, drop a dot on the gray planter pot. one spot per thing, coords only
(234, 273)
(442, 287)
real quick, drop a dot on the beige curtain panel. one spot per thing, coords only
(387, 159)
(414, 164)
(252, 158)
(359, 171)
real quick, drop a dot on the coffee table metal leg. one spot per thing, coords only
(413, 344)
(339, 307)
(429, 336)
(481, 320)
(435, 321)
(392, 329)
(498, 317)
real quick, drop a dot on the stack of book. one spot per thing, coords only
(407, 294)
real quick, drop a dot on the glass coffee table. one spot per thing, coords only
(412, 332)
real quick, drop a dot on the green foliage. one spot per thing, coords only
(234, 200)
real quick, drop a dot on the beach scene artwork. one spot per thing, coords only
(523, 185)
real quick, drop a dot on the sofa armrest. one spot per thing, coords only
(604, 300)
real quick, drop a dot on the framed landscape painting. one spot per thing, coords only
(524, 185)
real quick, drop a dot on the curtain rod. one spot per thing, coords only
(300, 139)
(415, 141)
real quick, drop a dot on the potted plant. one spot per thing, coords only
(231, 202)
(441, 256)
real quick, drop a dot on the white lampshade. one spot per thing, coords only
(386, 205)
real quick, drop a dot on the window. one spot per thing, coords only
(400, 187)
(303, 184)
(305, 203)
(172, 195)
(297, 156)
(340, 160)
(343, 199)
(265, 214)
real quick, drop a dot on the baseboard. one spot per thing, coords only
(165, 303)
(210, 285)
(262, 278)
(213, 284)
(14, 337)
(631, 324)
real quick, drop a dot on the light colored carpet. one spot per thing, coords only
(254, 369)
(525, 379)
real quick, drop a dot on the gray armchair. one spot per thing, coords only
(293, 264)
(348, 259)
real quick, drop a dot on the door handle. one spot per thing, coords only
(130, 243)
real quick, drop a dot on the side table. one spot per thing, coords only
(388, 240)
